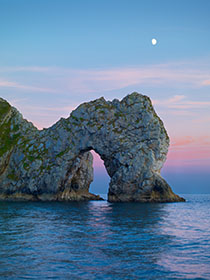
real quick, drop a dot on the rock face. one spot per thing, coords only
(55, 163)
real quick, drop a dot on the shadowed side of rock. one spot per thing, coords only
(160, 191)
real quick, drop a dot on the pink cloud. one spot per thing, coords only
(181, 112)
(189, 151)
(189, 154)
(7, 84)
(189, 141)
(180, 102)
(206, 83)
(101, 80)
(191, 104)
(182, 141)
(202, 120)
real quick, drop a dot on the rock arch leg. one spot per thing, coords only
(141, 189)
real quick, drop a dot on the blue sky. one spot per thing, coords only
(87, 34)
(57, 54)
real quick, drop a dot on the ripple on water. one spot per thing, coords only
(101, 240)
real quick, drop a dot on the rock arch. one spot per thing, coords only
(55, 163)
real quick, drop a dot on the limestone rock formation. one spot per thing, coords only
(55, 163)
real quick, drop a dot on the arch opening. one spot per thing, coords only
(101, 179)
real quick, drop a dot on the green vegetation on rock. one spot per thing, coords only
(8, 137)
(4, 108)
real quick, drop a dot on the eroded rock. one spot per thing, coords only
(55, 163)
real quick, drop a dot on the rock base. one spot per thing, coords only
(70, 196)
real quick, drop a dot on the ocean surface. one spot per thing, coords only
(101, 240)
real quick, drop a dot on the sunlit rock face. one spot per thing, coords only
(55, 163)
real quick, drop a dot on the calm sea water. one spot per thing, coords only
(101, 240)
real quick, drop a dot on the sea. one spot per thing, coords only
(102, 240)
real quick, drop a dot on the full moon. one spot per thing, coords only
(154, 42)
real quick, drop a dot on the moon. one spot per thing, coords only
(154, 41)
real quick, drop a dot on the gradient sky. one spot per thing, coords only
(56, 54)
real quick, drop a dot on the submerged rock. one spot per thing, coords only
(55, 163)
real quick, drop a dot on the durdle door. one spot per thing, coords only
(56, 163)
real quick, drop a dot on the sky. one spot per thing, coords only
(57, 54)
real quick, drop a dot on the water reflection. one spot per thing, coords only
(189, 228)
(92, 240)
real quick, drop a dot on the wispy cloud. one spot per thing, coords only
(206, 83)
(181, 102)
(63, 79)
(182, 113)
(189, 151)
(202, 120)
(189, 142)
(40, 69)
(15, 85)
(183, 141)
(8, 84)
